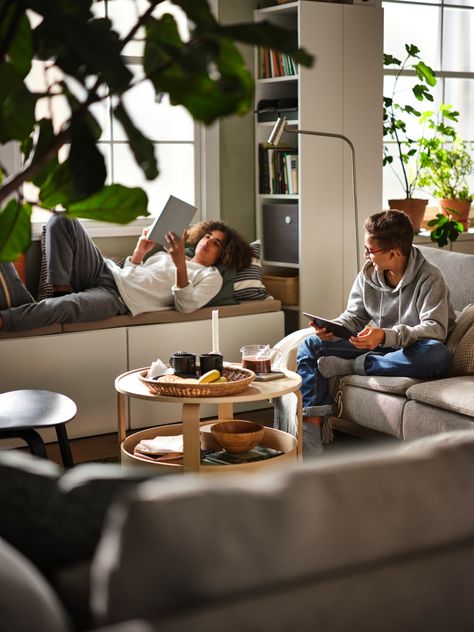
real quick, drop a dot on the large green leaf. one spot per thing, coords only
(163, 44)
(115, 203)
(44, 139)
(15, 230)
(17, 105)
(78, 177)
(198, 11)
(82, 49)
(142, 148)
(20, 48)
(86, 162)
(208, 76)
(58, 188)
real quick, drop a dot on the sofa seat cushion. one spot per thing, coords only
(455, 394)
(380, 384)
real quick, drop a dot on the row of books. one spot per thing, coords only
(278, 170)
(272, 63)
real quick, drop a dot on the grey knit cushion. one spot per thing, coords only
(461, 344)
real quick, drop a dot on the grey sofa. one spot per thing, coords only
(406, 408)
(377, 540)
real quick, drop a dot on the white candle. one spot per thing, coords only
(215, 331)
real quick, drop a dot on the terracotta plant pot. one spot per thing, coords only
(413, 207)
(462, 207)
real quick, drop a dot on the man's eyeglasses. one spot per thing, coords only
(368, 251)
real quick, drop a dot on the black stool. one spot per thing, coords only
(22, 411)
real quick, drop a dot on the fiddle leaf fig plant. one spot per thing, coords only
(205, 73)
(397, 116)
(445, 228)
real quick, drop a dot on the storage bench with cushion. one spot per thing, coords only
(82, 360)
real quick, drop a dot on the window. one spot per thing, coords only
(443, 33)
(171, 128)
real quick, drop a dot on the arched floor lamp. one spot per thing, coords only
(274, 140)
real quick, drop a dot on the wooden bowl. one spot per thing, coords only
(236, 436)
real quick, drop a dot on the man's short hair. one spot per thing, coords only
(391, 229)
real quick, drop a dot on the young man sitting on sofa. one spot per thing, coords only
(399, 312)
(90, 287)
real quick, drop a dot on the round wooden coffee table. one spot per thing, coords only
(129, 385)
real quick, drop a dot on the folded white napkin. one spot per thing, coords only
(157, 368)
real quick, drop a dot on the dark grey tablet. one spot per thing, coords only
(334, 328)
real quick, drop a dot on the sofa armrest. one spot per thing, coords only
(288, 347)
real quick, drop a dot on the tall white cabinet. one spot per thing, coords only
(341, 93)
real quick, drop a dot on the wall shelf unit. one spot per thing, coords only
(341, 93)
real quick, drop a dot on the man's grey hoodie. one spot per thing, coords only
(419, 307)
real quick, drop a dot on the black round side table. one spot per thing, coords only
(24, 410)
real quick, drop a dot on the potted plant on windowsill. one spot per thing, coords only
(446, 164)
(396, 118)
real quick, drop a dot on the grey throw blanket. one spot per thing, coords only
(285, 418)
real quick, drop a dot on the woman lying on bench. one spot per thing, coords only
(90, 287)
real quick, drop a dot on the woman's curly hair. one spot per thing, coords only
(236, 252)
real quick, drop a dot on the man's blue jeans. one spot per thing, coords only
(425, 359)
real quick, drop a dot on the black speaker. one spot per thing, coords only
(280, 232)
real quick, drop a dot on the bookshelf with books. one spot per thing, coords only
(304, 201)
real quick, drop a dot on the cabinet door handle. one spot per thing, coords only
(288, 219)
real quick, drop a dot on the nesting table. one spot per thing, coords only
(129, 385)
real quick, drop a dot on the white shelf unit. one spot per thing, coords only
(341, 93)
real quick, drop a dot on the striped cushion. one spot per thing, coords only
(12, 290)
(248, 285)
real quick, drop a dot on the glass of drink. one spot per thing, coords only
(260, 358)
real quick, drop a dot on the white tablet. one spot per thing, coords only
(175, 216)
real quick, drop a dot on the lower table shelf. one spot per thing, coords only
(272, 438)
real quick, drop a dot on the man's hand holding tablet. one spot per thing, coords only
(331, 327)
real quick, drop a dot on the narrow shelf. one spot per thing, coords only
(278, 196)
(285, 79)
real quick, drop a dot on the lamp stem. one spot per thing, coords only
(354, 188)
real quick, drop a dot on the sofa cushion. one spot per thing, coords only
(380, 384)
(457, 269)
(461, 344)
(194, 540)
(248, 284)
(12, 290)
(55, 519)
(455, 394)
(27, 602)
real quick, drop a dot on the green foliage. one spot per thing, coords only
(396, 116)
(445, 228)
(206, 74)
(445, 159)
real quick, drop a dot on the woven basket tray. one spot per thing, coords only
(238, 380)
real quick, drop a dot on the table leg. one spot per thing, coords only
(191, 438)
(299, 415)
(64, 446)
(225, 411)
(121, 417)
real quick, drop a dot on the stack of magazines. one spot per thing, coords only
(259, 453)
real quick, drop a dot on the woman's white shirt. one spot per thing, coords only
(150, 286)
